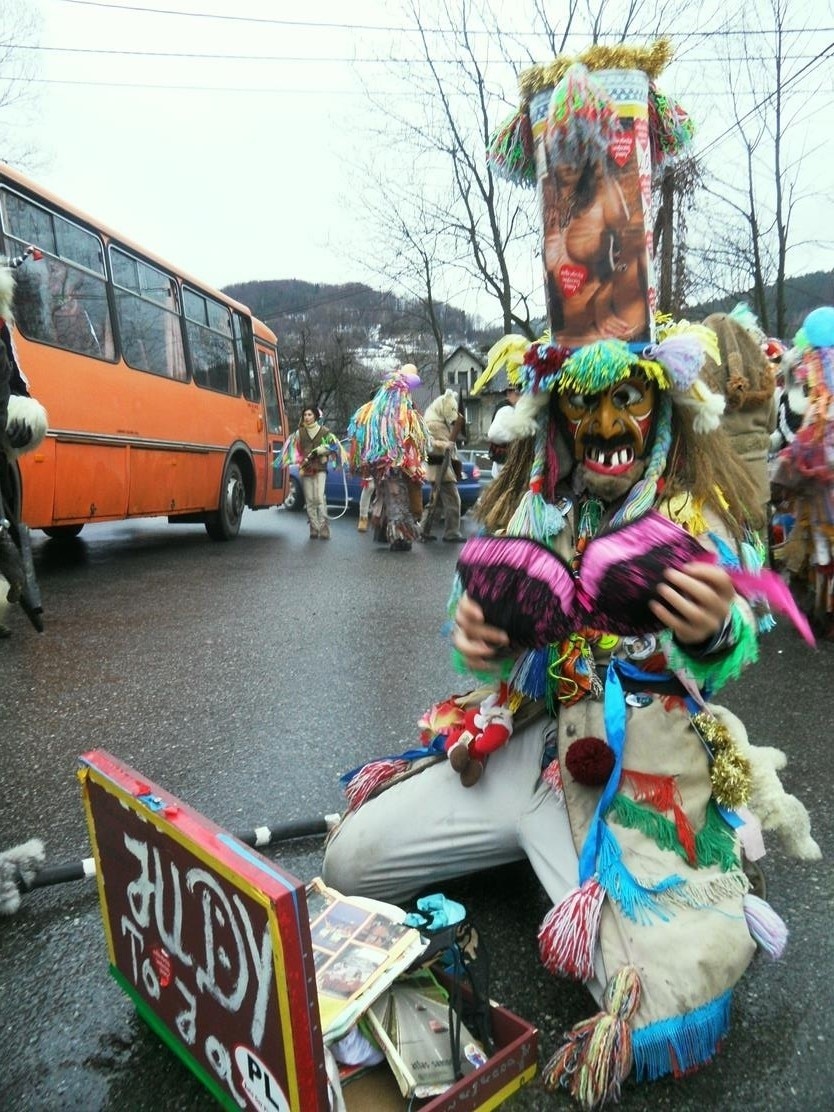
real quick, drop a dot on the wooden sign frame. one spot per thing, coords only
(209, 939)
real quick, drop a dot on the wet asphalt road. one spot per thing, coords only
(245, 678)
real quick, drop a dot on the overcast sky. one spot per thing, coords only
(236, 157)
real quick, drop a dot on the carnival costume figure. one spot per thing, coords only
(616, 589)
(804, 468)
(23, 424)
(388, 444)
(443, 424)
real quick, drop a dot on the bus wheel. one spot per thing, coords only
(63, 532)
(225, 524)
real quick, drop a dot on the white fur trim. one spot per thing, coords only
(29, 412)
(6, 293)
(523, 419)
(708, 406)
(500, 431)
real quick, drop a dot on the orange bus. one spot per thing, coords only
(163, 395)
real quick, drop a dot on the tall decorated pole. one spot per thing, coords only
(593, 135)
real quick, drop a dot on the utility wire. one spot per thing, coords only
(694, 94)
(199, 56)
(427, 30)
(806, 69)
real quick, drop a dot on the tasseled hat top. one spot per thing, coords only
(580, 115)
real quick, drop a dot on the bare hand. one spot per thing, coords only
(479, 644)
(694, 602)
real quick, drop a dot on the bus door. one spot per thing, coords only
(268, 365)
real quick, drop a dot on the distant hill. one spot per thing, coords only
(352, 307)
(362, 315)
(802, 294)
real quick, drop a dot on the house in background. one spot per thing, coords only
(462, 369)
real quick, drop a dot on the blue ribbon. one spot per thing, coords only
(615, 735)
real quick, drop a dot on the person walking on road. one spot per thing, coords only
(310, 446)
(442, 419)
(388, 444)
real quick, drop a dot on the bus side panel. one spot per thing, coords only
(37, 479)
(170, 482)
(93, 482)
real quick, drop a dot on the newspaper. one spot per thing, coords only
(359, 947)
(426, 1046)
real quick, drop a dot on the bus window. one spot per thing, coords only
(208, 326)
(246, 370)
(61, 298)
(147, 310)
(273, 410)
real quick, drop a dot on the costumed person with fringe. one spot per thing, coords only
(311, 446)
(804, 470)
(745, 376)
(23, 424)
(603, 609)
(388, 442)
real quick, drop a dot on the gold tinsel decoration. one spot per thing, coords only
(731, 772)
(652, 60)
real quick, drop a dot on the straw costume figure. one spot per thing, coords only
(604, 607)
(389, 444)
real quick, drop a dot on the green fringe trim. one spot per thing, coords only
(714, 672)
(715, 843)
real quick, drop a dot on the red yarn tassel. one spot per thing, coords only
(568, 935)
(661, 792)
(371, 777)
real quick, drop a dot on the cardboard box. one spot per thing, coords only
(512, 1066)
(211, 941)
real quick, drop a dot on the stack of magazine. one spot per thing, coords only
(364, 957)
(360, 947)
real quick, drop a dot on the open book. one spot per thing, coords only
(427, 1048)
(359, 947)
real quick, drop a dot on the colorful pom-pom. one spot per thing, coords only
(370, 778)
(597, 1056)
(766, 927)
(590, 761)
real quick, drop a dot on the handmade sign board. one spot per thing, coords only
(210, 940)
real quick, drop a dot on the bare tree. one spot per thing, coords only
(326, 373)
(412, 250)
(481, 228)
(751, 213)
(19, 31)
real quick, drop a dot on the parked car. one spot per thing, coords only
(334, 487)
(480, 458)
